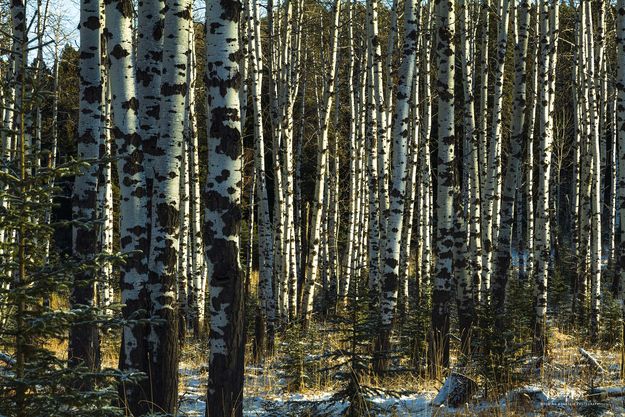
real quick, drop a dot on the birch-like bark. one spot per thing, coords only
(198, 265)
(265, 233)
(426, 193)
(149, 50)
(441, 293)
(381, 134)
(373, 249)
(165, 203)
(585, 172)
(105, 191)
(513, 170)
(595, 152)
(493, 185)
(529, 169)
(133, 218)
(620, 129)
(472, 149)
(401, 134)
(315, 225)
(545, 129)
(84, 343)
(406, 247)
(482, 127)
(223, 212)
(183, 264)
(349, 257)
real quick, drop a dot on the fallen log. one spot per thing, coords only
(8, 359)
(603, 393)
(457, 390)
(592, 361)
(528, 396)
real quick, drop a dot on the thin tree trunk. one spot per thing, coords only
(441, 295)
(401, 126)
(320, 185)
(513, 170)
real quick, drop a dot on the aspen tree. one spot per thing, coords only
(165, 202)
(84, 345)
(513, 170)
(472, 149)
(426, 193)
(134, 218)
(349, 257)
(265, 234)
(493, 184)
(223, 212)
(545, 130)
(310, 278)
(594, 148)
(401, 126)
(380, 103)
(620, 129)
(441, 295)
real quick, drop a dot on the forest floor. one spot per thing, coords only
(560, 390)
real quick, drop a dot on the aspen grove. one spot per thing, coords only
(312, 207)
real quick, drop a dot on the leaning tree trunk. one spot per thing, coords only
(222, 217)
(441, 293)
(84, 343)
(133, 221)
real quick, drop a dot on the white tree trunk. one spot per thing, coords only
(134, 216)
(222, 216)
(441, 293)
(401, 126)
(320, 185)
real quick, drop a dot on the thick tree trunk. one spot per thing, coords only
(134, 218)
(165, 202)
(84, 343)
(223, 212)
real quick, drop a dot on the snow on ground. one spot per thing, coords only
(553, 402)
(275, 403)
(560, 391)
